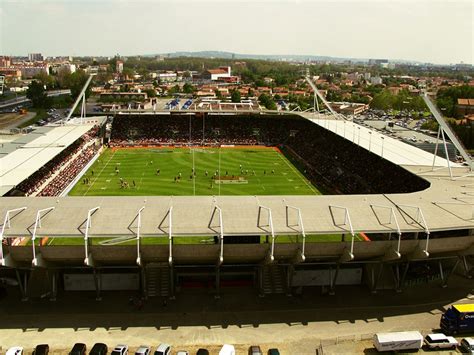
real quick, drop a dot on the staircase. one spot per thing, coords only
(157, 280)
(273, 277)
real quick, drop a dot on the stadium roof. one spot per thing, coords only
(392, 149)
(22, 157)
(445, 206)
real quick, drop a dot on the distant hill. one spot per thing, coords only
(277, 57)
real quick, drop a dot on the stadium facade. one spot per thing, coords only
(405, 201)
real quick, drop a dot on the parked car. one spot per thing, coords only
(16, 350)
(273, 351)
(440, 341)
(120, 350)
(182, 352)
(99, 349)
(78, 349)
(255, 350)
(42, 349)
(227, 350)
(163, 349)
(143, 350)
(466, 346)
(202, 352)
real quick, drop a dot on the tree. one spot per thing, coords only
(77, 81)
(37, 94)
(235, 96)
(45, 79)
(267, 101)
(150, 92)
(188, 88)
(63, 77)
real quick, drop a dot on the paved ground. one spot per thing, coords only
(296, 325)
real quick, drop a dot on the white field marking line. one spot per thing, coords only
(297, 173)
(100, 172)
(140, 182)
(259, 181)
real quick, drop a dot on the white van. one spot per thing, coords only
(227, 350)
(398, 341)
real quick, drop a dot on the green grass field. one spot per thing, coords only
(283, 239)
(265, 171)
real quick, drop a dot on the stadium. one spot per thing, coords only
(161, 202)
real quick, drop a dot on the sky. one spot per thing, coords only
(434, 31)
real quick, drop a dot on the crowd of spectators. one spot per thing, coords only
(69, 173)
(70, 158)
(326, 158)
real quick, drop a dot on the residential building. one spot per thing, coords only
(2, 82)
(119, 66)
(11, 73)
(35, 57)
(465, 106)
(167, 77)
(5, 61)
(216, 74)
(376, 80)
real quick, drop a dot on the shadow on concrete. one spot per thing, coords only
(241, 307)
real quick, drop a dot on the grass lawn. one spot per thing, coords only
(283, 239)
(138, 167)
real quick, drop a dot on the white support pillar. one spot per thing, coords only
(221, 232)
(300, 257)
(446, 154)
(420, 219)
(37, 260)
(348, 254)
(6, 223)
(170, 236)
(83, 108)
(88, 257)
(271, 257)
(139, 224)
(392, 254)
(436, 148)
(383, 140)
(79, 97)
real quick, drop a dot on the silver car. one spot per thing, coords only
(143, 350)
(467, 346)
(16, 350)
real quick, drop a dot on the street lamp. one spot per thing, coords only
(344, 128)
(382, 146)
(358, 139)
(370, 139)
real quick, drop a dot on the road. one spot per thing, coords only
(23, 99)
(13, 120)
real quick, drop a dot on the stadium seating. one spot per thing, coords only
(61, 170)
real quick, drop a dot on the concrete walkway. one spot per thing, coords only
(296, 325)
